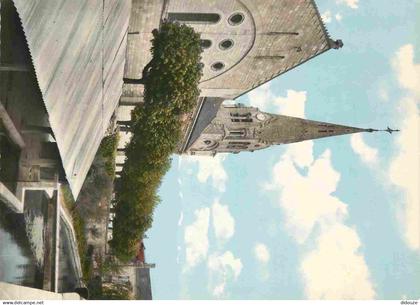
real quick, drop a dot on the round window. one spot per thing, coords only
(207, 142)
(236, 18)
(261, 116)
(226, 44)
(205, 43)
(217, 66)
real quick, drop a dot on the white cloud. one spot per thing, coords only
(408, 72)
(261, 253)
(301, 153)
(312, 211)
(335, 269)
(368, 154)
(222, 269)
(338, 17)
(404, 172)
(261, 97)
(209, 167)
(196, 238)
(223, 222)
(404, 168)
(293, 104)
(180, 219)
(326, 16)
(306, 200)
(354, 4)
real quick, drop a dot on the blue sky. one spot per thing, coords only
(333, 218)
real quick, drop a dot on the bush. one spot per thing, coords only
(171, 89)
(108, 150)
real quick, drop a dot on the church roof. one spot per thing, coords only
(207, 112)
(78, 51)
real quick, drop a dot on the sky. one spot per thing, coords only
(334, 218)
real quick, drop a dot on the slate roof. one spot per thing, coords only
(78, 51)
(209, 108)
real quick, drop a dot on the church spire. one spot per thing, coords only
(280, 129)
(236, 128)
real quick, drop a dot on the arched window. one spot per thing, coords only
(236, 133)
(239, 143)
(194, 17)
(240, 117)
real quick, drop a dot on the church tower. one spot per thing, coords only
(236, 128)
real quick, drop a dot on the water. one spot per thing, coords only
(17, 264)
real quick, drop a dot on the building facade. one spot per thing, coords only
(236, 128)
(245, 44)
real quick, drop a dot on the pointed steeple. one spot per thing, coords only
(237, 128)
(280, 129)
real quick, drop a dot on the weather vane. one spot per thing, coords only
(388, 129)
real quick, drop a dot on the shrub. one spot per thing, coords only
(171, 89)
(108, 150)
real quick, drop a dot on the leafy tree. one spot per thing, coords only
(108, 150)
(116, 291)
(171, 90)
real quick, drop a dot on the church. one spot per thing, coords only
(245, 44)
(235, 128)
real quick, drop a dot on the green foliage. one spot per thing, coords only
(78, 225)
(110, 266)
(108, 150)
(175, 69)
(171, 89)
(117, 291)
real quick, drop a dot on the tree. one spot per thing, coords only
(117, 291)
(171, 89)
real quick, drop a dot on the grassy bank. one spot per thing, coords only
(79, 227)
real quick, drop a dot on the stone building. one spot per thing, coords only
(245, 44)
(235, 128)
